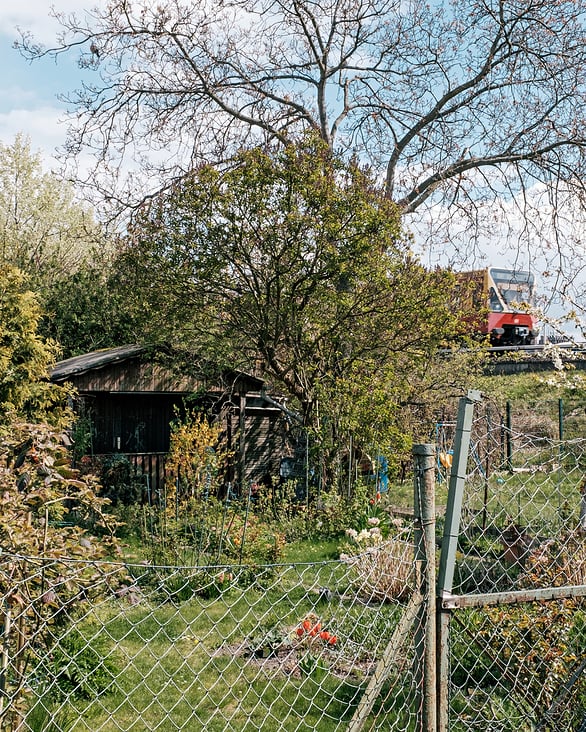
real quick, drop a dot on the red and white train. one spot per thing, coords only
(503, 303)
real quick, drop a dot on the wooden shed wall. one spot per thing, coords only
(130, 423)
(132, 402)
(264, 444)
(134, 376)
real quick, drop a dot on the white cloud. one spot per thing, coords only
(41, 125)
(34, 16)
(29, 91)
(14, 95)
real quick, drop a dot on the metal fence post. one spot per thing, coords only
(448, 550)
(509, 438)
(425, 637)
(582, 519)
(4, 653)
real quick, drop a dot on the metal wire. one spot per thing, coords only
(321, 645)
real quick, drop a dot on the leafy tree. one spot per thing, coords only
(455, 103)
(89, 308)
(25, 358)
(54, 239)
(291, 263)
(44, 231)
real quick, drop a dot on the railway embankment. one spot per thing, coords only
(543, 357)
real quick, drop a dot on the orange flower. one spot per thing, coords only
(332, 640)
(307, 624)
(324, 635)
(299, 631)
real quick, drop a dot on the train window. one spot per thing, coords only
(514, 295)
(514, 287)
(494, 303)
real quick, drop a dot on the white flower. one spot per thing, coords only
(373, 521)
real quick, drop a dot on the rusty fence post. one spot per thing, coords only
(425, 635)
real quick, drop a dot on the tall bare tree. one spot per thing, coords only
(455, 104)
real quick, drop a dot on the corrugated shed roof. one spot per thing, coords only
(95, 360)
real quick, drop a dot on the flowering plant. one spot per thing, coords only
(380, 568)
(380, 553)
(310, 632)
(312, 638)
(371, 510)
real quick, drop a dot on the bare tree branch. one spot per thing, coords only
(452, 104)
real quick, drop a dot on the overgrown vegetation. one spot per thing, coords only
(215, 619)
(48, 510)
(349, 325)
(292, 265)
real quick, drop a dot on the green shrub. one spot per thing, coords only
(526, 651)
(77, 667)
(118, 482)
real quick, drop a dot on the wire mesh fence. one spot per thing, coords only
(517, 627)
(329, 645)
(522, 521)
(134, 647)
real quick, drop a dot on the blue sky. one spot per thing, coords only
(28, 92)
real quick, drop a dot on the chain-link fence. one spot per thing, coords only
(515, 613)
(347, 644)
(134, 647)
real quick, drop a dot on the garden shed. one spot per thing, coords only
(128, 397)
